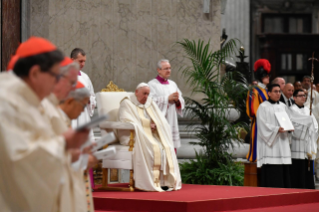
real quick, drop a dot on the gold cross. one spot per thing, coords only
(313, 59)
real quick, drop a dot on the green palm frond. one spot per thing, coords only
(213, 130)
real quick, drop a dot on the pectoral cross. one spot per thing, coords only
(312, 78)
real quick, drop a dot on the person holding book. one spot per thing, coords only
(273, 149)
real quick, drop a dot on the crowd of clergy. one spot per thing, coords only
(46, 157)
(286, 157)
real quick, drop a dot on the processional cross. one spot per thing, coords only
(312, 78)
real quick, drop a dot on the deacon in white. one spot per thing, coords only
(69, 69)
(32, 155)
(303, 143)
(168, 98)
(273, 150)
(154, 160)
(79, 56)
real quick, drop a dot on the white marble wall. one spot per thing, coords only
(124, 39)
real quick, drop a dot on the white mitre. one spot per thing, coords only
(141, 85)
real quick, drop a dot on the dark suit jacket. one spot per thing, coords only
(283, 100)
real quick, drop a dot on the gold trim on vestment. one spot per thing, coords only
(146, 124)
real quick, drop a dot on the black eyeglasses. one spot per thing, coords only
(302, 96)
(73, 84)
(166, 69)
(83, 105)
(57, 76)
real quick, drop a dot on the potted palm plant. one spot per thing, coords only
(215, 132)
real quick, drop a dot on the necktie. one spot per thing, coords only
(289, 104)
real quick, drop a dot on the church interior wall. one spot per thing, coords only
(124, 39)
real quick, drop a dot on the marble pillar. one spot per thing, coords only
(124, 39)
(10, 29)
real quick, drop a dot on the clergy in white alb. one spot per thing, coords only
(67, 83)
(168, 98)
(303, 143)
(32, 155)
(71, 108)
(306, 83)
(273, 147)
(79, 56)
(154, 160)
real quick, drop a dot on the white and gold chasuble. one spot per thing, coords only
(31, 154)
(154, 160)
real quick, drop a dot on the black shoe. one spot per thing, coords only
(165, 188)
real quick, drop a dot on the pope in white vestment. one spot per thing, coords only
(162, 90)
(154, 160)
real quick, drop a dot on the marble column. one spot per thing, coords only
(10, 29)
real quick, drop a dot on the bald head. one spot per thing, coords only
(288, 90)
(280, 81)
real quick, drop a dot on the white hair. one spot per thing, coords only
(65, 69)
(142, 85)
(159, 64)
(79, 94)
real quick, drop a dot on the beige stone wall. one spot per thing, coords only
(124, 39)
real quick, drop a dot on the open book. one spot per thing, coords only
(284, 121)
(93, 123)
(109, 138)
(105, 153)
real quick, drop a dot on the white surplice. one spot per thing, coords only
(88, 112)
(160, 93)
(304, 138)
(152, 169)
(272, 147)
(315, 96)
(84, 118)
(32, 156)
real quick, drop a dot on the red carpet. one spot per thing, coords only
(205, 198)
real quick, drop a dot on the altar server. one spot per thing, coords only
(32, 155)
(303, 144)
(273, 150)
(306, 83)
(256, 96)
(168, 98)
(79, 56)
(154, 160)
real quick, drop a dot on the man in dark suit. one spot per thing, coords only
(286, 95)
